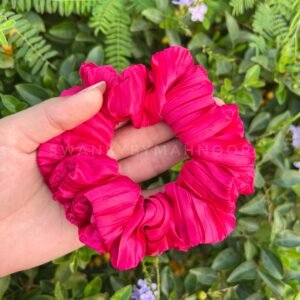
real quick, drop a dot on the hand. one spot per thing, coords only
(33, 227)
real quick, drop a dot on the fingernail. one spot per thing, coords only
(219, 101)
(100, 85)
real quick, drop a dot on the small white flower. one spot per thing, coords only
(296, 135)
(198, 12)
(182, 2)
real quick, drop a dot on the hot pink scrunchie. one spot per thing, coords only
(108, 208)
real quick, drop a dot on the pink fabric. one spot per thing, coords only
(109, 210)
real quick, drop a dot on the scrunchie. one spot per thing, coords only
(108, 208)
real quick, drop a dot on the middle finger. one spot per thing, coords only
(129, 140)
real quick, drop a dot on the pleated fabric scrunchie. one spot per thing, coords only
(108, 208)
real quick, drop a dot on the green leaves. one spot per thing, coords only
(259, 122)
(288, 239)
(190, 283)
(6, 61)
(256, 206)
(64, 31)
(28, 43)
(240, 6)
(263, 20)
(11, 105)
(251, 79)
(153, 14)
(233, 28)
(123, 294)
(4, 27)
(167, 281)
(249, 250)
(93, 287)
(104, 15)
(248, 224)
(287, 178)
(58, 291)
(272, 263)
(110, 18)
(96, 55)
(281, 93)
(245, 271)
(225, 260)
(204, 275)
(68, 66)
(32, 93)
(62, 7)
(118, 43)
(274, 284)
(199, 40)
(4, 284)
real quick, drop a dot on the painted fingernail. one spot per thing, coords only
(100, 85)
(218, 101)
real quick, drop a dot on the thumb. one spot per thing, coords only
(31, 127)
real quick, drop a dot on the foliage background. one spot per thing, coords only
(251, 50)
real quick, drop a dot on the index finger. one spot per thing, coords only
(27, 129)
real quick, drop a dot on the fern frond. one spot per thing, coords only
(27, 43)
(104, 14)
(240, 6)
(272, 20)
(295, 24)
(290, 52)
(63, 7)
(111, 18)
(283, 7)
(258, 43)
(118, 43)
(282, 14)
(4, 27)
(264, 20)
(280, 27)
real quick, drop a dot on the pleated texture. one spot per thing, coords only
(109, 210)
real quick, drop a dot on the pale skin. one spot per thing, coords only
(33, 228)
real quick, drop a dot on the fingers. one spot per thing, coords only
(129, 140)
(122, 124)
(219, 101)
(150, 192)
(152, 162)
(33, 126)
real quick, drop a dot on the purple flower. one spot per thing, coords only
(297, 165)
(144, 291)
(182, 2)
(198, 12)
(296, 136)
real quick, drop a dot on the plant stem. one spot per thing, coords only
(156, 265)
(281, 125)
